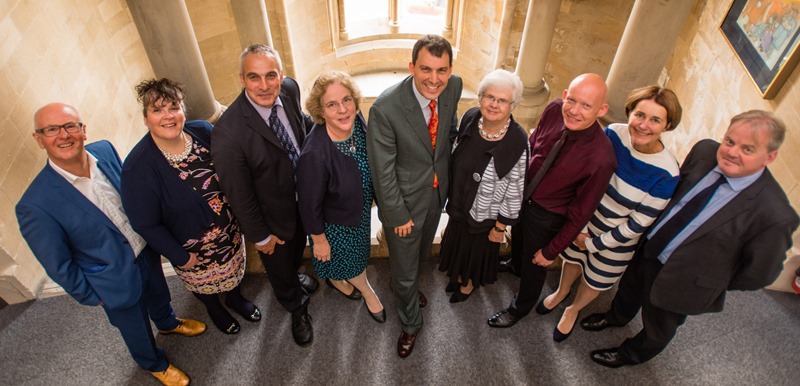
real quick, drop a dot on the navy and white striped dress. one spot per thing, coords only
(639, 190)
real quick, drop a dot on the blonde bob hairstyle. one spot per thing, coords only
(314, 102)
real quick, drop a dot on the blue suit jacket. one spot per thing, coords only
(80, 248)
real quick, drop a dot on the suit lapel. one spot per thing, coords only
(743, 202)
(414, 115)
(254, 121)
(72, 196)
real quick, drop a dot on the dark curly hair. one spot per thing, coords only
(161, 91)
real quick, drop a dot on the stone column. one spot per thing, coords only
(251, 22)
(537, 34)
(171, 46)
(648, 40)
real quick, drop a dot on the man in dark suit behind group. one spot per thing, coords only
(409, 143)
(71, 216)
(735, 239)
(256, 143)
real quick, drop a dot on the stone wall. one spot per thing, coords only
(85, 53)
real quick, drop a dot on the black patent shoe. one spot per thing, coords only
(354, 295)
(245, 310)
(503, 319)
(308, 283)
(458, 297)
(609, 358)
(379, 317)
(595, 322)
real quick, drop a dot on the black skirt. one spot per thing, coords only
(469, 256)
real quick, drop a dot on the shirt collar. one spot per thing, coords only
(264, 111)
(71, 178)
(740, 183)
(423, 102)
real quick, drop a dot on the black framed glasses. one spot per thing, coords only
(52, 131)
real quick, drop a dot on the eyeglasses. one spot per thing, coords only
(52, 131)
(492, 99)
(334, 106)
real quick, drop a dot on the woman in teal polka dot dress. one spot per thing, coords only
(335, 189)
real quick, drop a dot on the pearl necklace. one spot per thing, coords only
(492, 136)
(178, 158)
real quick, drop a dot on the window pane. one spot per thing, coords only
(362, 10)
(422, 13)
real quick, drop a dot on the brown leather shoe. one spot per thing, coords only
(187, 327)
(172, 376)
(405, 344)
(423, 301)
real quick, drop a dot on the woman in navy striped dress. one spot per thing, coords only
(637, 193)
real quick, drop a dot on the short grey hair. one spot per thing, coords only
(502, 79)
(760, 119)
(259, 49)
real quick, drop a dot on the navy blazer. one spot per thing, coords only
(328, 183)
(76, 243)
(162, 208)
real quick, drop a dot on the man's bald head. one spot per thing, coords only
(584, 101)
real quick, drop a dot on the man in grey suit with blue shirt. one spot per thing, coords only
(409, 136)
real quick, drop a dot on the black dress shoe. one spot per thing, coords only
(458, 297)
(354, 295)
(308, 283)
(542, 310)
(609, 357)
(379, 317)
(595, 322)
(405, 344)
(503, 319)
(302, 331)
(423, 301)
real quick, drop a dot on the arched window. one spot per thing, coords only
(358, 21)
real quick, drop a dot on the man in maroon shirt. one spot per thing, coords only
(568, 194)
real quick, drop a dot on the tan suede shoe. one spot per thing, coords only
(172, 376)
(187, 327)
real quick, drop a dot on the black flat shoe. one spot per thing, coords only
(542, 310)
(244, 310)
(458, 297)
(379, 317)
(355, 295)
(559, 336)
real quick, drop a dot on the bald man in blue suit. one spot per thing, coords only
(71, 216)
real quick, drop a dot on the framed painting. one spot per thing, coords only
(764, 35)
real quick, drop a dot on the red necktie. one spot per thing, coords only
(433, 129)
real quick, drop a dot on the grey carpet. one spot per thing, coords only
(57, 341)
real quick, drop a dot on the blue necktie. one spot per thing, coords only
(283, 136)
(658, 241)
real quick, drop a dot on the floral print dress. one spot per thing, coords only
(219, 247)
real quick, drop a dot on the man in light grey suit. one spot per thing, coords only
(410, 131)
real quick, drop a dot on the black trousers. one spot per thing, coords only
(282, 266)
(537, 227)
(633, 294)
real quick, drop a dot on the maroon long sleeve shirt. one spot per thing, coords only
(578, 177)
